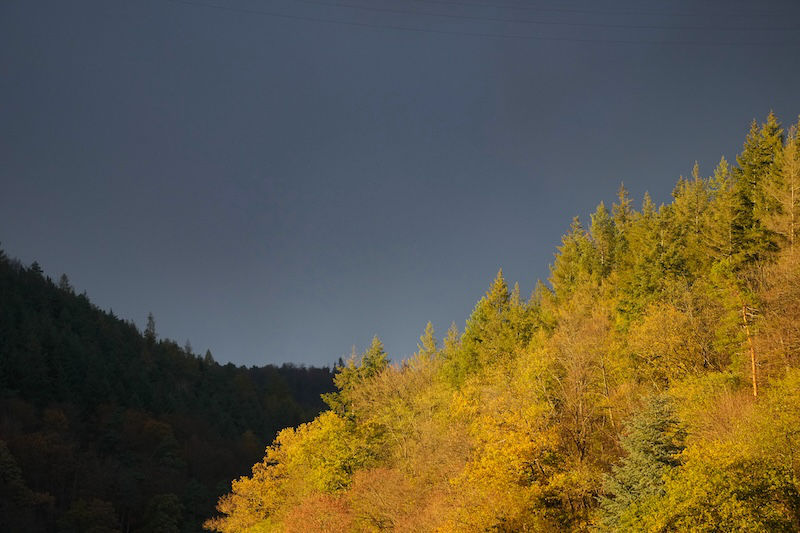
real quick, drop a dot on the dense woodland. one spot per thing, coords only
(104, 428)
(652, 385)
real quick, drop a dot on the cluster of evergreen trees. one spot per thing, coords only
(104, 428)
(654, 385)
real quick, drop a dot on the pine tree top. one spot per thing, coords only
(498, 292)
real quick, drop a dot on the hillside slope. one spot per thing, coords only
(653, 385)
(103, 428)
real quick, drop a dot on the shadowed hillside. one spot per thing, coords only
(106, 428)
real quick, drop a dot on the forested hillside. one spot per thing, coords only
(653, 385)
(104, 428)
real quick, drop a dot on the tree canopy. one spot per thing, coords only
(106, 428)
(651, 386)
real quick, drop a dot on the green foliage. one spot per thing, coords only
(721, 214)
(488, 335)
(719, 488)
(517, 424)
(427, 346)
(150, 329)
(105, 428)
(652, 386)
(19, 505)
(92, 516)
(575, 262)
(783, 192)
(756, 171)
(352, 374)
(163, 514)
(652, 445)
(604, 238)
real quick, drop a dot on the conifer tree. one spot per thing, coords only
(649, 208)
(684, 225)
(639, 282)
(374, 359)
(150, 329)
(623, 214)
(522, 319)
(698, 201)
(784, 192)
(574, 262)
(451, 344)
(354, 373)
(515, 300)
(753, 177)
(719, 236)
(63, 284)
(427, 346)
(486, 334)
(652, 444)
(604, 238)
(622, 210)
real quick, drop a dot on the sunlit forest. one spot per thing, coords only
(652, 384)
(105, 428)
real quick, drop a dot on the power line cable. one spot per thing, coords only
(418, 30)
(725, 12)
(548, 22)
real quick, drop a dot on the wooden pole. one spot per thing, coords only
(752, 350)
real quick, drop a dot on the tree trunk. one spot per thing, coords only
(752, 350)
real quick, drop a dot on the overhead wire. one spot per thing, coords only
(494, 35)
(548, 22)
(606, 11)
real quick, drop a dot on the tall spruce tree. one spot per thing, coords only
(64, 284)
(354, 373)
(604, 237)
(487, 336)
(719, 235)
(427, 345)
(623, 213)
(754, 175)
(652, 445)
(784, 192)
(374, 360)
(575, 261)
(150, 329)
(644, 273)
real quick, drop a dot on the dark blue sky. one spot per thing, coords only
(278, 187)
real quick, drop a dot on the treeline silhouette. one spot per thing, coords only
(105, 428)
